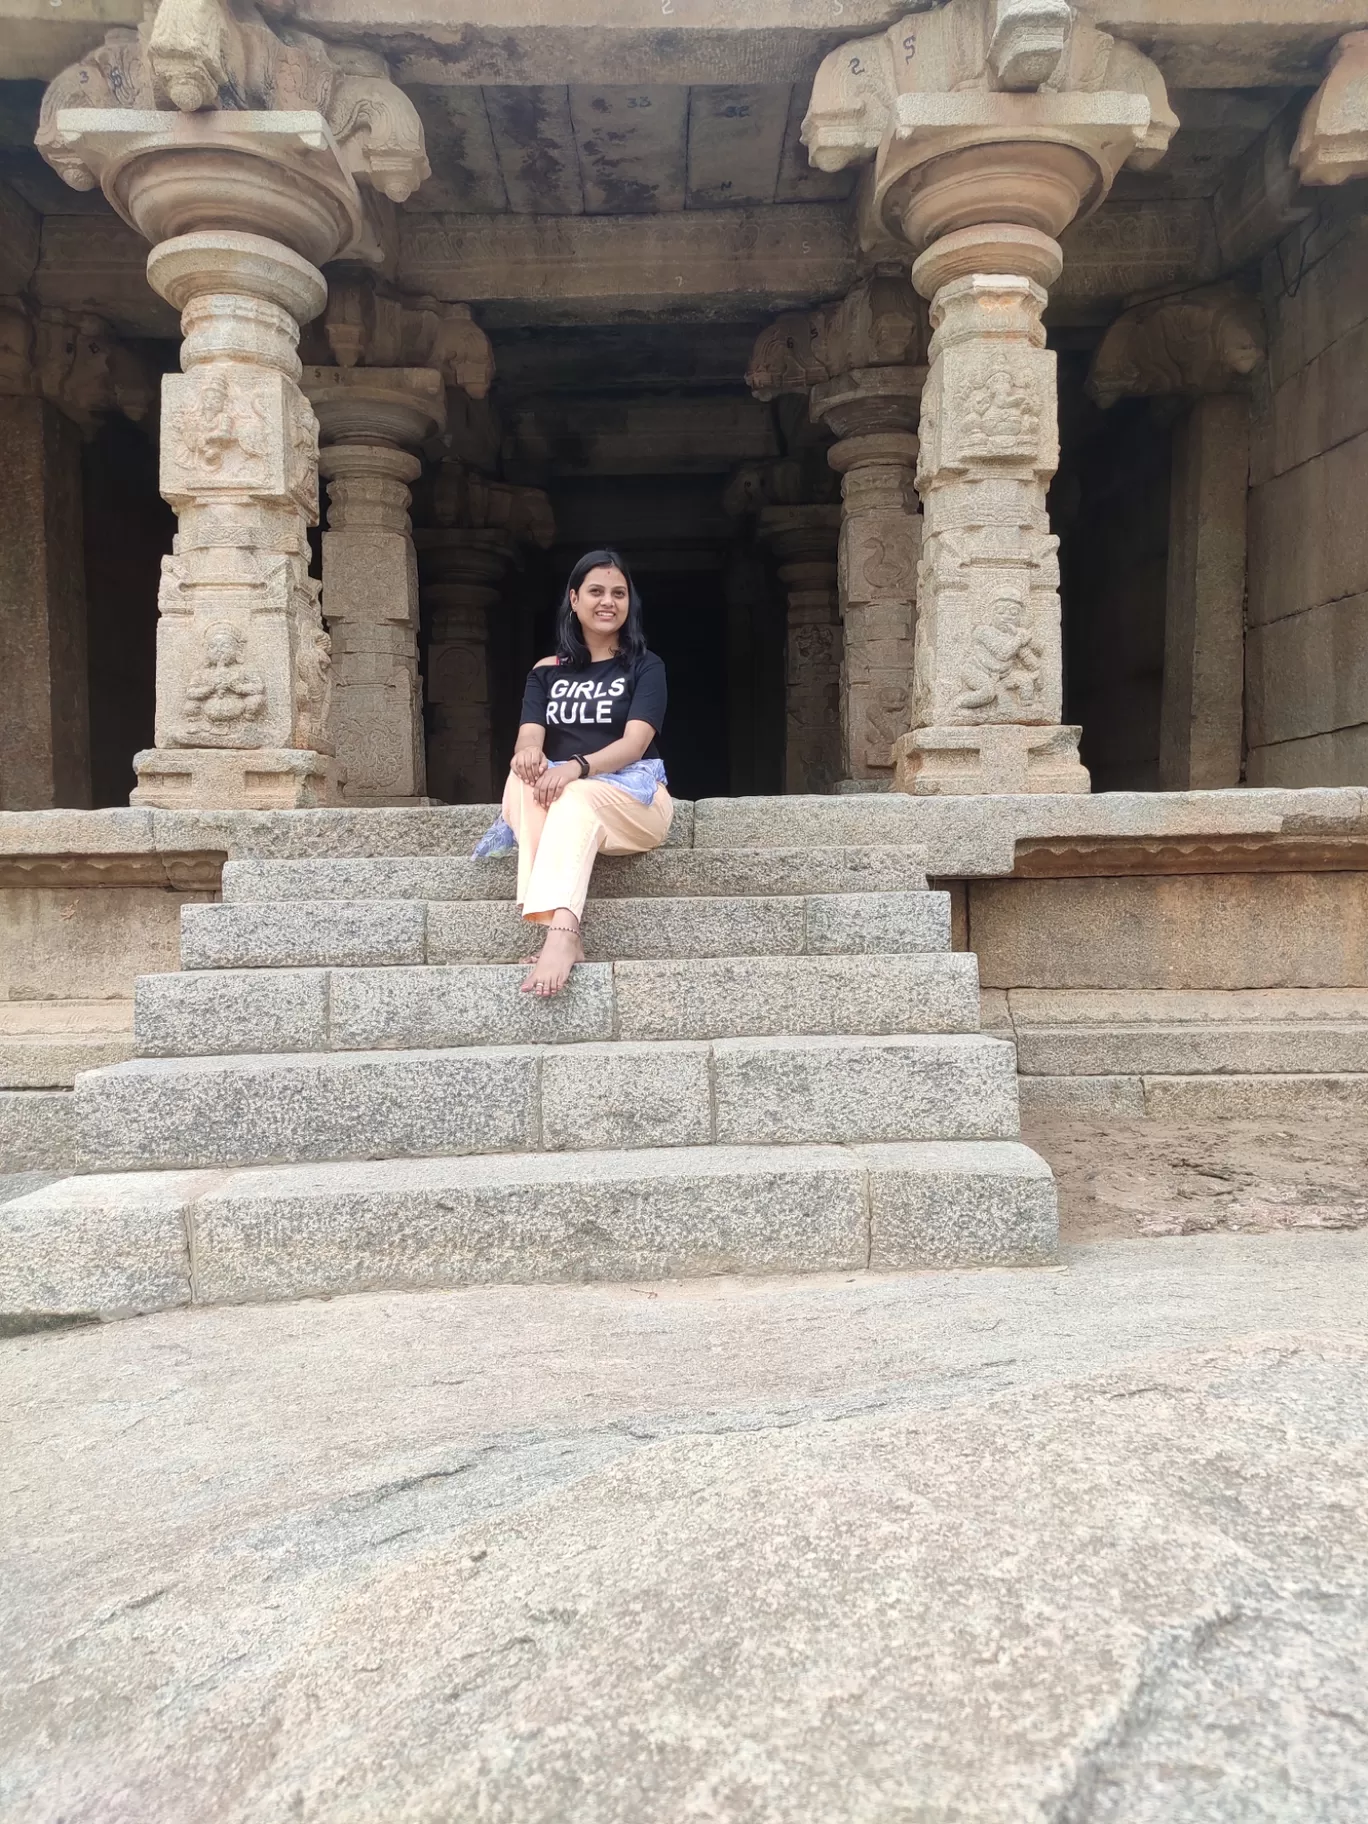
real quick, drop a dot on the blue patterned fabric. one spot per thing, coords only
(641, 781)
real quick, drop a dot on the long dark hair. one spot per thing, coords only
(631, 639)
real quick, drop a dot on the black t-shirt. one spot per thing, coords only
(586, 707)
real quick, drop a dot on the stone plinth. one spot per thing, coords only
(371, 421)
(804, 540)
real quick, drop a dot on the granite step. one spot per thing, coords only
(159, 1113)
(290, 934)
(200, 1013)
(111, 1244)
(669, 873)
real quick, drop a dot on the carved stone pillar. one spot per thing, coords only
(461, 572)
(874, 413)
(804, 540)
(992, 123)
(241, 206)
(1198, 352)
(858, 363)
(462, 563)
(372, 421)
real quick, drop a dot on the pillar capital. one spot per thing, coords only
(139, 118)
(1015, 111)
(1207, 341)
(400, 406)
(1332, 146)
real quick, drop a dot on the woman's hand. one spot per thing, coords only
(528, 764)
(553, 782)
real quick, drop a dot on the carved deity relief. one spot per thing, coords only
(227, 435)
(1002, 671)
(1001, 417)
(225, 696)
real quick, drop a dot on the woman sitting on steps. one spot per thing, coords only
(587, 773)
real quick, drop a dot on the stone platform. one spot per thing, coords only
(1142, 949)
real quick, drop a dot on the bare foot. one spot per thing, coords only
(561, 951)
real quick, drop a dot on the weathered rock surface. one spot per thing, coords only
(1079, 1545)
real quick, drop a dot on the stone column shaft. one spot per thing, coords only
(460, 573)
(876, 412)
(804, 540)
(372, 421)
(1201, 725)
(370, 600)
(44, 712)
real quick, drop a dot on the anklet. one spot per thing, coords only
(565, 930)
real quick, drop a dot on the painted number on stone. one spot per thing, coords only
(856, 67)
(638, 101)
(909, 47)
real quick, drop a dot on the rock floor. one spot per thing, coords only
(1086, 1545)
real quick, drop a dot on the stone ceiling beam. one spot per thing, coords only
(1196, 43)
(585, 269)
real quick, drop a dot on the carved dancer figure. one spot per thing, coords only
(1004, 658)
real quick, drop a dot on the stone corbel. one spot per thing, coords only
(1209, 341)
(369, 324)
(977, 73)
(196, 77)
(75, 361)
(1332, 146)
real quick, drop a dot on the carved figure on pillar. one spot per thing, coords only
(992, 124)
(860, 363)
(241, 204)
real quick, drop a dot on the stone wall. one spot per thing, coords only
(1307, 643)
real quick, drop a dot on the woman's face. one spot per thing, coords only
(601, 601)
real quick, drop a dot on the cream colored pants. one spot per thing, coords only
(557, 848)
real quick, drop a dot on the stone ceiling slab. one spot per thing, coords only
(633, 148)
(736, 142)
(467, 178)
(534, 137)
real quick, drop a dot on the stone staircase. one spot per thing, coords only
(780, 1070)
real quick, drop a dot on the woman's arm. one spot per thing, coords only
(529, 759)
(636, 738)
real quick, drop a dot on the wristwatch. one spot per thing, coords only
(582, 763)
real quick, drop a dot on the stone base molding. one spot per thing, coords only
(954, 762)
